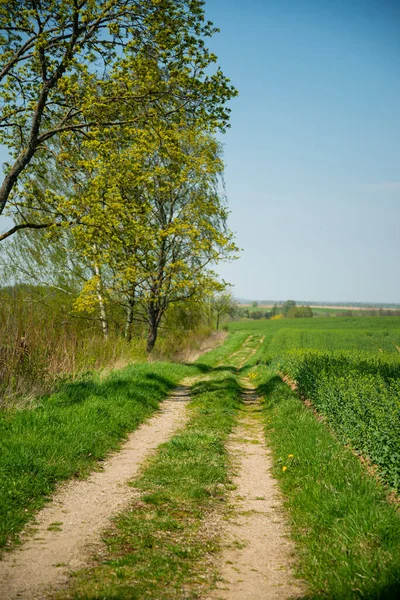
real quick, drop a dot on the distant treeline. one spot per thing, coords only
(290, 309)
(330, 304)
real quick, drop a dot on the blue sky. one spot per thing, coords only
(313, 154)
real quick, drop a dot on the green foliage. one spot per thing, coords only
(69, 67)
(304, 312)
(350, 369)
(288, 306)
(145, 219)
(223, 304)
(109, 111)
(359, 396)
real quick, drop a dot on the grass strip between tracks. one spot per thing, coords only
(162, 547)
(347, 534)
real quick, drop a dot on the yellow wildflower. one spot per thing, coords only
(284, 469)
(291, 455)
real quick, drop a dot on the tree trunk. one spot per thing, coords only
(129, 319)
(152, 331)
(102, 307)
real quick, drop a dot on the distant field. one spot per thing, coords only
(329, 307)
(366, 323)
(370, 340)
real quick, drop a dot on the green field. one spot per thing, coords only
(349, 368)
(367, 323)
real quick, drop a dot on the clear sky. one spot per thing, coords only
(313, 155)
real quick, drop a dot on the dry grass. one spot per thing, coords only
(41, 344)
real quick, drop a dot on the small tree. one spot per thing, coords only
(287, 306)
(223, 304)
(305, 312)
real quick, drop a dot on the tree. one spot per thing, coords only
(73, 69)
(257, 314)
(299, 312)
(223, 304)
(153, 213)
(305, 312)
(287, 306)
(188, 223)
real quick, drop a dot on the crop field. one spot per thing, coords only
(349, 368)
(339, 323)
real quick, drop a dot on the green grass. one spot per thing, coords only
(359, 395)
(350, 369)
(232, 344)
(369, 340)
(67, 433)
(70, 431)
(347, 534)
(159, 548)
(369, 323)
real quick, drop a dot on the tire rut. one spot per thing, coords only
(258, 558)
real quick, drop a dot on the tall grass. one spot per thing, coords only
(42, 343)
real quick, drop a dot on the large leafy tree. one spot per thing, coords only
(149, 218)
(81, 68)
(188, 223)
(152, 211)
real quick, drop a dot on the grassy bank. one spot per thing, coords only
(43, 342)
(69, 431)
(347, 534)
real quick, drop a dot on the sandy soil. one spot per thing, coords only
(69, 529)
(257, 561)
